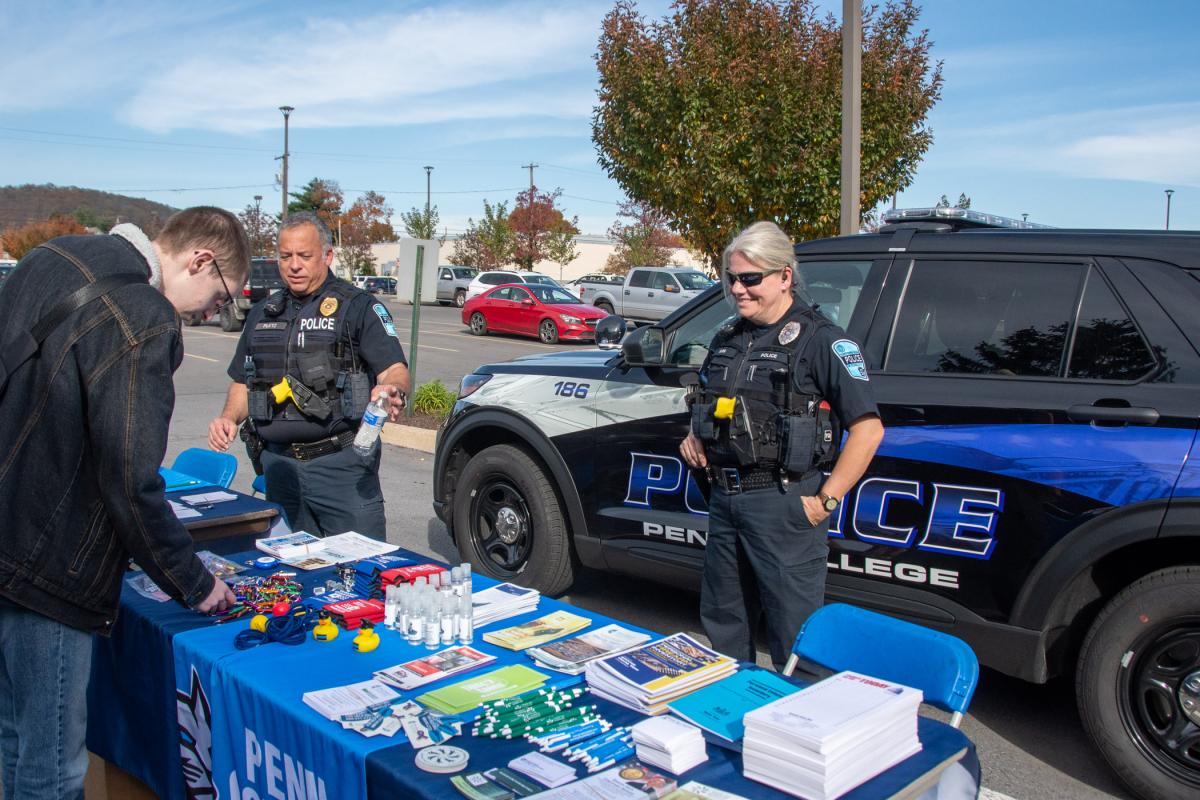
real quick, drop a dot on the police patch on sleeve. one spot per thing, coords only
(386, 319)
(851, 358)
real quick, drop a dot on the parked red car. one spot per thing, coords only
(547, 312)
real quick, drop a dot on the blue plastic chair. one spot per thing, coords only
(259, 486)
(215, 468)
(843, 637)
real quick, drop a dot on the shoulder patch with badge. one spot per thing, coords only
(386, 318)
(851, 358)
(328, 306)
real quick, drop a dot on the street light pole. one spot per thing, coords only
(1168, 193)
(287, 112)
(258, 225)
(851, 115)
(428, 220)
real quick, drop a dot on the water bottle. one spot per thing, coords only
(372, 422)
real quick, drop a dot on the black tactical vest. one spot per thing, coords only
(763, 422)
(314, 349)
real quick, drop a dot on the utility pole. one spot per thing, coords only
(530, 167)
(428, 219)
(1168, 193)
(287, 112)
(258, 225)
(851, 114)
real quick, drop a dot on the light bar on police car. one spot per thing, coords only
(962, 216)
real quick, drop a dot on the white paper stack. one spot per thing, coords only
(669, 744)
(501, 602)
(353, 699)
(648, 677)
(823, 741)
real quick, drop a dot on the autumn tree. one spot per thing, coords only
(19, 241)
(261, 230)
(644, 239)
(561, 248)
(320, 196)
(534, 219)
(421, 225)
(368, 221)
(729, 111)
(489, 243)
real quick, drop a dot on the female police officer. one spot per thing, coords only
(761, 427)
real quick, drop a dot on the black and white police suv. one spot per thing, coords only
(1037, 492)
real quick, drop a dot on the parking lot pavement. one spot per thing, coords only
(1029, 737)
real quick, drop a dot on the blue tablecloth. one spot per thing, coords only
(248, 729)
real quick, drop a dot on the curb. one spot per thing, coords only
(409, 436)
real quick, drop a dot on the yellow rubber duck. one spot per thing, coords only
(325, 631)
(259, 623)
(367, 639)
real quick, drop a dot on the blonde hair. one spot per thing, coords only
(766, 246)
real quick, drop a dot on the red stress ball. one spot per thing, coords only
(280, 609)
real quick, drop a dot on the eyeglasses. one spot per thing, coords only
(747, 279)
(224, 285)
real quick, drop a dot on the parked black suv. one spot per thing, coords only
(264, 278)
(1037, 491)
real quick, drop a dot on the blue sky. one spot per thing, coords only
(1077, 113)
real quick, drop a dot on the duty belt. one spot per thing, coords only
(734, 480)
(307, 451)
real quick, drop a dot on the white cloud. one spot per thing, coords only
(428, 65)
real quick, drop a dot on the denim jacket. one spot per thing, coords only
(83, 429)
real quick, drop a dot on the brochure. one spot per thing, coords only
(418, 672)
(473, 692)
(498, 783)
(502, 601)
(629, 781)
(355, 698)
(537, 631)
(719, 707)
(646, 678)
(571, 655)
(694, 790)
(305, 551)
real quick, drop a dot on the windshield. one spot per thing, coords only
(694, 280)
(552, 294)
(535, 278)
(466, 273)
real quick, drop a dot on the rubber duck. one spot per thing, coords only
(259, 623)
(367, 639)
(325, 631)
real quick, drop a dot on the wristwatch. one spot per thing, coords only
(828, 502)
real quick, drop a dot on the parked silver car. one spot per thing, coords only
(452, 284)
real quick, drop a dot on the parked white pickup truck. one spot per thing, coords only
(648, 293)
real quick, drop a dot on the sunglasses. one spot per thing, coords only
(747, 279)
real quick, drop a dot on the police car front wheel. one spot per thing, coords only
(508, 521)
(1138, 683)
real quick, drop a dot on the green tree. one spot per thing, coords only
(90, 219)
(561, 248)
(322, 197)
(644, 240)
(729, 111)
(420, 225)
(963, 201)
(488, 244)
(534, 219)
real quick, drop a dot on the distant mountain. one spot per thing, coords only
(30, 203)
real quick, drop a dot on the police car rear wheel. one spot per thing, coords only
(1138, 684)
(508, 522)
(548, 331)
(478, 324)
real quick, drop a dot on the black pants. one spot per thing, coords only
(331, 494)
(762, 556)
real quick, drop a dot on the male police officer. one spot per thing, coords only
(761, 427)
(310, 359)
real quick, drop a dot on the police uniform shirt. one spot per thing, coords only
(370, 329)
(830, 365)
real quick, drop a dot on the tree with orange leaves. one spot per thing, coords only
(19, 241)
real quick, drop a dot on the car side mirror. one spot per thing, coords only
(526, 302)
(670, 287)
(643, 347)
(609, 332)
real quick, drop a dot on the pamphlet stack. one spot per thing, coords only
(670, 744)
(646, 678)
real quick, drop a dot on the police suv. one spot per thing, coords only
(1037, 492)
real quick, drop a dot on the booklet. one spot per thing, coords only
(629, 781)
(571, 655)
(355, 698)
(305, 551)
(537, 631)
(646, 678)
(418, 672)
(719, 707)
(474, 692)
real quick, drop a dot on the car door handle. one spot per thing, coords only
(1137, 415)
(626, 291)
(649, 294)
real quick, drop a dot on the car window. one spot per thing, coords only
(501, 294)
(466, 274)
(1107, 344)
(519, 294)
(662, 280)
(985, 317)
(640, 278)
(544, 279)
(496, 278)
(690, 341)
(553, 294)
(834, 286)
(447, 275)
(694, 280)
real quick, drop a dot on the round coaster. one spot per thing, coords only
(265, 562)
(442, 758)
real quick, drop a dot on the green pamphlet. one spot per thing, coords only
(473, 692)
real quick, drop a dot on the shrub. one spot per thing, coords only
(434, 399)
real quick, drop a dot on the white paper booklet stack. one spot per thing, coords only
(823, 741)
(648, 677)
(669, 743)
(501, 602)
